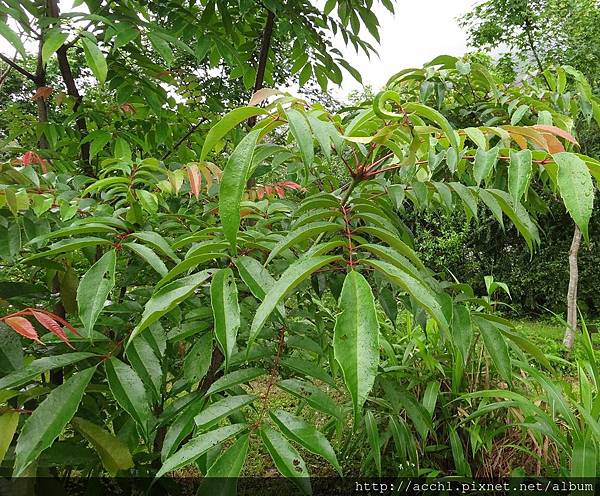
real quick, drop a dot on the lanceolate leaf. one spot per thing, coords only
(257, 278)
(298, 430)
(415, 288)
(287, 460)
(114, 454)
(576, 188)
(233, 379)
(129, 391)
(484, 163)
(221, 478)
(94, 288)
(373, 436)
(49, 419)
(226, 124)
(167, 298)
(302, 134)
(148, 255)
(233, 185)
(95, 59)
(293, 276)
(197, 446)
(519, 173)
(356, 338)
(146, 363)
(212, 414)
(496, 347)
(8, 426)
(40, 366)
(226, 311)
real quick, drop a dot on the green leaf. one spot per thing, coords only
(95, 60)
(233, 185)
(484, 163)
(129, 392)
(53, 42)
(518, 215)
(462, 330)
(415, 288)
(221, 478)
(584, 458)
(185, 265)
(477, 137)
(8, 426)
(14, 39)
(519, 173)
(258, 279)
(148, 255)
(146, 363)
(373, 436)
(576, 188)
(298, 235)
(302, 134)
(94, 288)
(356, 338)
(40, 366)
(226, 124)
(226, 311)
(436, 117)
(495, 345)
(287, 460)
(212, 414)
(310, 369)
(197, 360)
(167, 298)
(315, 397)
(161, 46)
(197, 446)
(114, 454)
(241, 376)
(305, 434)
(294, 275)
(518, 114)
(49, 419)
(68, 245)
(158, 243)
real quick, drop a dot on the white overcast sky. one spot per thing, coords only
(419, 31)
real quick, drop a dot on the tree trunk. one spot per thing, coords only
(569, 338)
(67, 76)
(42, 107)
(263, 57)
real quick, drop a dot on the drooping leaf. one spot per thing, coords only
(233, 185)
(293, 276)
(212, 414)
(519, 173)
(257, 278)
(129, 392)
(114, 454)
(52, 42)
(197, 446)
(576, 188)
(484, 163)
(226, 311)
(356, 338)
(94, 288)
(197, 360)
(226, 124)
(287, 460)
(302, 134)
(95, 60)
(495, 345)
(221, 478)
(167, 298)
(8, 426)
(233, 379)
(298, 430)
(146, 363)
(373, 436)
(49, 419)
(37, 367)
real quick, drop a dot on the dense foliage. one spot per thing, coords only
(159, 296)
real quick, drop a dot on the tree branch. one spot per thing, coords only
(263, 57)
(184, 137)
(18, 68)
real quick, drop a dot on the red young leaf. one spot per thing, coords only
(557, 132)
(23, 327)
(31, 157)
(128, 108)
(60, 320)
(195, 179)
(50, 324)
